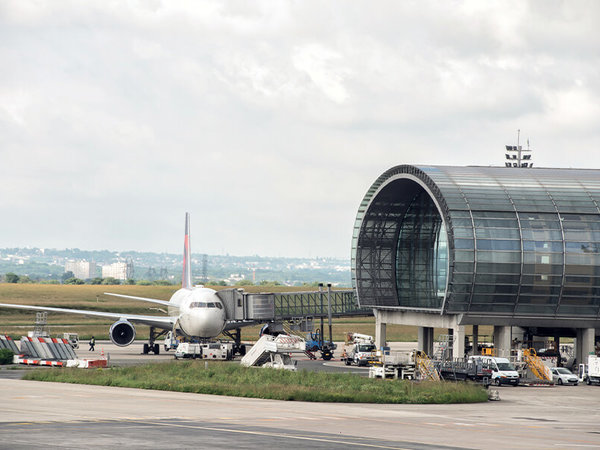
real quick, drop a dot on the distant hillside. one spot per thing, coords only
(47, 264)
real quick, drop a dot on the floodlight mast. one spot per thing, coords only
(516, 159)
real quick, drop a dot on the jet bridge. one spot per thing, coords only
(277, 306)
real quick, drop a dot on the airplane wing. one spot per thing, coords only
(154, 321)
(144, 299)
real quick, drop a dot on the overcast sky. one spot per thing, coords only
(269, 120)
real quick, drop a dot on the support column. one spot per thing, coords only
(584, 344)
(426, 340)
(380, 331)
(475, 349)
(502, 341)
(458, 341)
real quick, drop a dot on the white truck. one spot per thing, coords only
(503, 372)
(216, 351)
(590, 372)
(359, 350)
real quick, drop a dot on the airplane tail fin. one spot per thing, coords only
(186, 279)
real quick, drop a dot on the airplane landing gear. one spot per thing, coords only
(238, 347)
(151, 346)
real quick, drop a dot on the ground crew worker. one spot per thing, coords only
(92, 343)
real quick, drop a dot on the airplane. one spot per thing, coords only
(195, 312)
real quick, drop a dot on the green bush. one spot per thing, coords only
(6, 356)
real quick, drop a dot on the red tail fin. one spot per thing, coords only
(186, 279)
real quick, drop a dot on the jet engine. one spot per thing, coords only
(122, 333)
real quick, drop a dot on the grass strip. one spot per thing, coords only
(235, 380)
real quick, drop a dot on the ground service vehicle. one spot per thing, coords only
(217, 351)
(171, 342)
(360, 350)
(590, 372)
(562, 375)
(503, 372)
(314, 342)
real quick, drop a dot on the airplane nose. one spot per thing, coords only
(207, 323)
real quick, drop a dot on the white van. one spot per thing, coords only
(503, 372)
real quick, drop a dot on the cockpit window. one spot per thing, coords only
(206, 305)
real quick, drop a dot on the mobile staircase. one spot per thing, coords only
(274, 351)
(425, 368)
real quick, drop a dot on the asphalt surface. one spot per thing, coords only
(35, 414)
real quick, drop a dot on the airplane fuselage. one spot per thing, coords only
(200, 310)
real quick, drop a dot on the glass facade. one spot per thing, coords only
(481, 240)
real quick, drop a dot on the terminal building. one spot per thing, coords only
(449, 247)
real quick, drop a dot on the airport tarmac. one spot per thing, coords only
(36, 414)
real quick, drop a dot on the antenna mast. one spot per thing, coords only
(514, 154)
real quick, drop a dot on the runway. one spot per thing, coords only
(36, 414)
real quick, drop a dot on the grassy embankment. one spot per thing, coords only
(18, 322)
(234, 380)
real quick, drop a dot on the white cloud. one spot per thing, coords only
(269, 120)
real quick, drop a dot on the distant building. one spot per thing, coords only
(81, 269)
(118, 270)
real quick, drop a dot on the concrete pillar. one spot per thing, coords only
(426, 340)
(380, 331)
(557, 348)
(584, 344)
(475, 349)
(458, 341)
(502, 341)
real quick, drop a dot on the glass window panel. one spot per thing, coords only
(496, 289)
(579, 311)
(462, 278)
(498, 257)
(464, 244)
(494, 215)
(498, 268)
(542, 258)
(542, 235)
(540, 310)
(583, 259)
(461, 288)
(462, 223)
(543, 269)
(485, 307)
(497, 278)
(494, 298)
(498, 233)
(463, 232)
(544, 246)
(463, 256)
(582, 290)
(495, 223)
(460, 214)
(582, 235)
(540, 221)
(539, 300)
(540, 289)
(498, 244)
(463, 267)
(582, 247)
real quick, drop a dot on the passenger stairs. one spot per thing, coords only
(426, 368)
(536, 365)
(271, 351)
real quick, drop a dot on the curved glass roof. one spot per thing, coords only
(481, 240)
